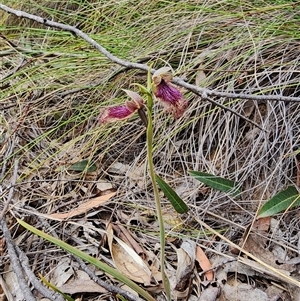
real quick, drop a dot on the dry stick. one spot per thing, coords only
(11, 247)
(232, 111)
(15, 262)
(218, 266)
(35, 282)
(203, 92)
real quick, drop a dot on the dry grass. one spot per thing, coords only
(48, 126)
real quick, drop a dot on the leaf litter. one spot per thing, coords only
(211, 140)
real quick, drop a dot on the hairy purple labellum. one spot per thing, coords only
(124, 111)
(167, 93)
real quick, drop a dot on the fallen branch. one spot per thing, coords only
(202, 92)
(15, 263)
(38, 285)
(14, 259)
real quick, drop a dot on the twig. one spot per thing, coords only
(15, 263)
(203, 92)
(35, 282)
(232, 111)
(215, 268)
(11, 190)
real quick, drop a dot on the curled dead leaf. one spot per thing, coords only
(186, 263)
(128, 262)
(204, 263)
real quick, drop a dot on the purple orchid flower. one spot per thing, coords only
(122, 112)
(167, 93)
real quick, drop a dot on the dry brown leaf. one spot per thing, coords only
(82, 284)
(204, 263)
(172, 219)
(119, 168)
(248, 108)
(126, 236)
(127, 261)
(262, 224)
(261, 227)
(255, 243)
(83, 208)
(186, 262)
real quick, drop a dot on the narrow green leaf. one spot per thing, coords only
(215, 182)
(118, 296)
(101, 265)
(283, 200)
(179, 205)
(83, 165)
(67, 297)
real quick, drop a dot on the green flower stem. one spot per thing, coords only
(155, 189)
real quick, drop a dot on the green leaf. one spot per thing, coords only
(283, 200)
(101, 265)
(179, 205)
(217, 183)
(67, 297)
(83, 165)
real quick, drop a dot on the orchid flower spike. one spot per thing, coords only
(124, 111)
(167, 93)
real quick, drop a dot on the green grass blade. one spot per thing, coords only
(283, 200)
(215, 182)
(67, 297)
(101, 265)
(179, 205)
